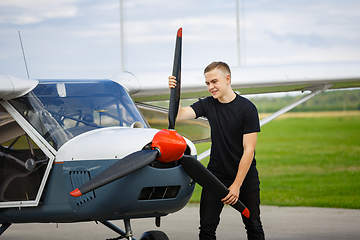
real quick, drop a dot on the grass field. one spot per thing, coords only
(308, 160)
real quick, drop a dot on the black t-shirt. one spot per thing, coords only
(228, 122)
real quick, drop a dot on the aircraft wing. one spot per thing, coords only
(12, 87)
(153, 86)
(246, 80)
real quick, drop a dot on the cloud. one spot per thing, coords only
(81, 38)
(20, 12)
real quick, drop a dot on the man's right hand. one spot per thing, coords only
(172, 82)
(184, 112)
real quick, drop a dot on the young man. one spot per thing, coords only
(234, 126)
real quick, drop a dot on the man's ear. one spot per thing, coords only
(228, 79)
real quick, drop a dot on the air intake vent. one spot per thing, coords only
(78, 178)
(152, 193)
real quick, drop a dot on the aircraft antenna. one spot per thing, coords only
(23, 52)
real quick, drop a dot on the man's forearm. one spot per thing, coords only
(243, 168)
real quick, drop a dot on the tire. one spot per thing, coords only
(154, 235)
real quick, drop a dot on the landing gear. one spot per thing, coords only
(150, 235)
(127, 234)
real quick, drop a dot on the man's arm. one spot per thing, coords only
(184, 112)
(249, 143)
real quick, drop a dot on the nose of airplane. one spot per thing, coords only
(166, 146)
(105, 143)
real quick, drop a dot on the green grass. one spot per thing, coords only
(308, 162)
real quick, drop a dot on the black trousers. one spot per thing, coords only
(211, 207)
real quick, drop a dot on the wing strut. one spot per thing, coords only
(314, 91)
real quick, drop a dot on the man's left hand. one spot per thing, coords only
(232, 196)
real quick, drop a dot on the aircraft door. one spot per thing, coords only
(22, 164)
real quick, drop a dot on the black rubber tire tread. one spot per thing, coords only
(154, 235)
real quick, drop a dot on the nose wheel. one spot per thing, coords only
(150, 235)
(154, 235)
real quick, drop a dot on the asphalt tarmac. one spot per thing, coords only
(279, 223)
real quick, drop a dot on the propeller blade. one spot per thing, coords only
(175, 92)
(121, 168)
(208, 181)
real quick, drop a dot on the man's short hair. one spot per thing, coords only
(220, 65)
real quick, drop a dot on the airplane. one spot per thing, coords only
(74, 150)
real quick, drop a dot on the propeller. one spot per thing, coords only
(167, 146)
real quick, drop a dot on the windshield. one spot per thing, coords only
(62, 110)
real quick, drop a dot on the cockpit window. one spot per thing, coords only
(62, 110)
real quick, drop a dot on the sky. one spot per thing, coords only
(81, 38)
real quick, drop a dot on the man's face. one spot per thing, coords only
(217, 82)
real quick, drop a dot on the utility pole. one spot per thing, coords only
(238, 31)
(122, 37)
